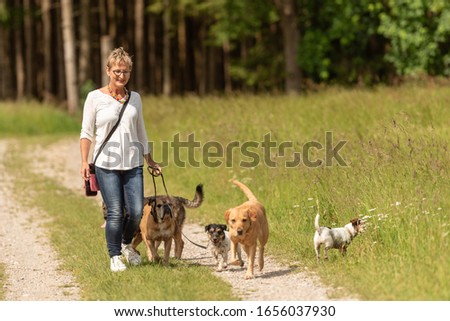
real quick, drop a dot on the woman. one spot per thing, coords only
(119, 166)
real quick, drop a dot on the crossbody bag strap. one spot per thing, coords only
(113, 129)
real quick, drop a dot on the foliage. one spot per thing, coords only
(4, 15)
(245, 25)
(419, 33)
(340, 40)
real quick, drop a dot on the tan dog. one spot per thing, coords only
(162, 220)
(157, 225)
(248, 225)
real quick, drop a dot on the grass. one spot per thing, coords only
(397, 177)
(26, 119)
(3, 278)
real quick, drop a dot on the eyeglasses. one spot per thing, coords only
(119, 72)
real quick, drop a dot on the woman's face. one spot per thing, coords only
(119, 74)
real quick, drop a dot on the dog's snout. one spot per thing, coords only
(167, 209)
(240, 231)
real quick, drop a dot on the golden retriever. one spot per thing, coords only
(248, 225)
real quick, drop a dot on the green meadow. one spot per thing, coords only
(380, 154)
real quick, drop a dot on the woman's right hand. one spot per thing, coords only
(84, 171)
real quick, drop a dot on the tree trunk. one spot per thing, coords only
(182, 54)
(61, 89)
(199, 60)
(105, 49)
(111, 19)
(30, 74)
(139, 44)
(291, 40)
(153, 67)
(47, 49)
(226, 67)
(6, 88)
(18, 48)
(85, 42)
(167, 89)
(69, 56)
(105, 40)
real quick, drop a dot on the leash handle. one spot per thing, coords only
(151, 170)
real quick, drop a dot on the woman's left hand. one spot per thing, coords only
(155, 168)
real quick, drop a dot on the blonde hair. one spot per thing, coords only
(119, 55)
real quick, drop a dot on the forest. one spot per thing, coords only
(53, 50)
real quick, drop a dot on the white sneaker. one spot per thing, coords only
(130, 254)
(117, 264)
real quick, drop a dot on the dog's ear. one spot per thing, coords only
(355, 221)
(223, 227)
(207, 227)
(227, 215)
(252, 214)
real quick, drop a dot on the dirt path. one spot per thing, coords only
(31, 265)
(277, 282)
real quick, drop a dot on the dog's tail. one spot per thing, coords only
(245, 189)
(316, 223)
(198, 198)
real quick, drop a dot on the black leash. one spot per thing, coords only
(203, 247)
(152, 172)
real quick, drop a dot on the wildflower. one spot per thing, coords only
(372, 209)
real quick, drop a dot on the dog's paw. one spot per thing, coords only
(238, 262)
(249, 276)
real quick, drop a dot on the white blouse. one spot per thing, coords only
(129, 141)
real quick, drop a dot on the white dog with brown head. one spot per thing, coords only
(335, 238)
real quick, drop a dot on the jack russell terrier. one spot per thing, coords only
(220, 241)
(335, 238)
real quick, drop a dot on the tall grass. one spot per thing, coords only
(396, 177)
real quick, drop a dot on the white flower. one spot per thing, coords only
(372, 209)
(310, 199)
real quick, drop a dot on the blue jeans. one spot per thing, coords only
(121, 190)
